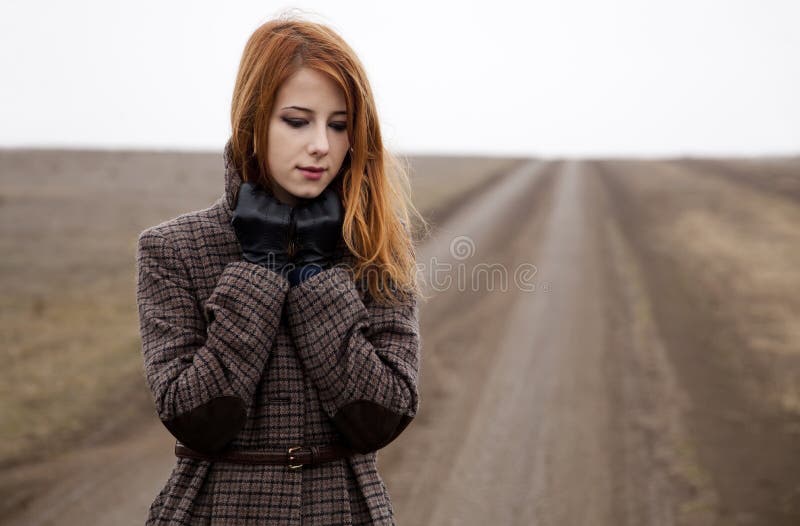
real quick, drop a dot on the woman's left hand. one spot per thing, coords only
(317, 229)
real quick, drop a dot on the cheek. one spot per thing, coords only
(279, 150)
(342, 145)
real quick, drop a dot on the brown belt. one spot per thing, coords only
(294, 457)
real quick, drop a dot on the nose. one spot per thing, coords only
(319, 145)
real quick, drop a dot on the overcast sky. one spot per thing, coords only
(565, 77)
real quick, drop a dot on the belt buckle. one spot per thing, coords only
(292, 457)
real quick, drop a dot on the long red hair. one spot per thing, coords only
(372, 183)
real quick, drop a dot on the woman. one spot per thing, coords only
(279, 326)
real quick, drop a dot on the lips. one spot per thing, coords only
(311, 172)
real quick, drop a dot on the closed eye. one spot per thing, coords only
(295, 123)
(299, 123)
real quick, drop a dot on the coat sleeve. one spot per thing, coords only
(202, 368)
(363, 359)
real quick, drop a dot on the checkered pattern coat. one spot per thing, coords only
(236, 358)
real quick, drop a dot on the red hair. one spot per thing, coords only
(372, 183)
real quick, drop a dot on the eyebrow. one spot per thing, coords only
(312, 111)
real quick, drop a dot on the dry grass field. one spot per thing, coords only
(655, 381)
(720, 245)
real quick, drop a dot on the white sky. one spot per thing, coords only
(563, 77)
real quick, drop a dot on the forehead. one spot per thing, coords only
(311, 89)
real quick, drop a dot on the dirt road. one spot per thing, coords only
(528, 429)
(583, 364)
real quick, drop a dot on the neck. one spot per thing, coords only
(282, 195)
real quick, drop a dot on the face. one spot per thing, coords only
(307, 129)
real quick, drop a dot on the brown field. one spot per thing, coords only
(654, 380)
(720, 245)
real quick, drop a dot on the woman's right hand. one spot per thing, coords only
(262, 224)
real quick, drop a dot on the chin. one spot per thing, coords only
(308, 193)
(314, 188)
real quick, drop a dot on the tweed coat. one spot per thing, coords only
(236, 358)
